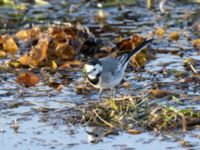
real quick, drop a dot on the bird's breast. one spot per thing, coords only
(95, 80)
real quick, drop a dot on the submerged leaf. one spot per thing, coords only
(160, 32)
(174, 36)
(27, 79)
(196, 43)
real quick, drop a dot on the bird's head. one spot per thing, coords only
(93, 68)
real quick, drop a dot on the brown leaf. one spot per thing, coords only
(59, 88)
(28, 34)
(9, 45)
(174, 36)
(70, 33)
(136, 40)
(37, 54)
(1, 39)
(25, 60)
(27, 79)
(133, 131)
(68, 64)
(53, 65)
(58, 34)
(196, 43)
(127, 84)
(159, 93)
(2, 54)
(124, 44)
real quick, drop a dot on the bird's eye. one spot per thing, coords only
(95, 69)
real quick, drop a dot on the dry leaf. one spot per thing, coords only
(196, 43)
(37, 54)
(68, 64)
(58, 34)
(53, 65)
(28, 34)
(159, 93)
(27, 79)
(124, 44)
(160, 32)
(127, 84)
(59, 88)
(2, 54)
(174, 36)
(9, 45)
(25, 60)
(133, 131)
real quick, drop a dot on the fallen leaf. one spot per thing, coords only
(73, 63)
(37, 53)
(58, 34)
(127, 84)
(196, 43)
(64, 51)
(124, 44)
(2, 54)
(159, 93)
(134, 131)
(59, 88)
(28, 34)
(174, 36)
(25, 60)
(53, 65)
(160, 32)
(27, 79)
(9, 45)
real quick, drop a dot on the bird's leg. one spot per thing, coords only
(114, 92)
(100, 93)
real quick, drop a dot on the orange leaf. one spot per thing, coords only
(196, 43)
(1, 39)
(59, 88)
(69, 64)
(28, 34)
(133, 131)
(58, 34)
(136, 40)
(37, 54)
(174, 36)
(160, 32)
(27, 79)
(9, 44)
(54, 65)
(2, 54)
(25, 60)
(124, 44)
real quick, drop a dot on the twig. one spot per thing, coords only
(193, 69)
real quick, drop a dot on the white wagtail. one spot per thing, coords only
(107, 72)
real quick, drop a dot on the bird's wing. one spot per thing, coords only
(110, 64)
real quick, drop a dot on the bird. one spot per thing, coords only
(107, 72)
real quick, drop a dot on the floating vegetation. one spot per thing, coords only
(128, 113)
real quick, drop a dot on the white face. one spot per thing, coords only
(92, 71)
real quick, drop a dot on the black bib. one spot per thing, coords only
(95, 80)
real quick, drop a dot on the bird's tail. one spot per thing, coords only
(139, 48)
